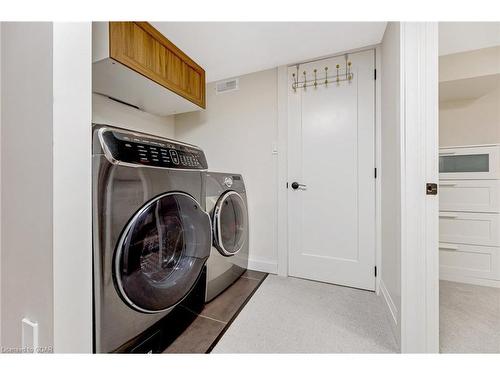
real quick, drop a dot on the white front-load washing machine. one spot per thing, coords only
(151, 235)
(226, 202)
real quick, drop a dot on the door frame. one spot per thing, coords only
(419, 165)
(283, 167)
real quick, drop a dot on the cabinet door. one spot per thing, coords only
(469, 261)
(469, 195)
(144, 49)
(469, 163)
(469, 228)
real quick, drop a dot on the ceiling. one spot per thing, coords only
(457, 37)
(229, 49)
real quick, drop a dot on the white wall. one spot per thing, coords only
(237, 133)
(46, 184)
(465, 36)
(481, 62)
(390, 174)
(471, 121)
(72, 199)
(107, 111)
(26, 171)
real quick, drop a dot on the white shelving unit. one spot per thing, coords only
(469, 217)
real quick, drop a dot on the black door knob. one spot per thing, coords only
(295, 185)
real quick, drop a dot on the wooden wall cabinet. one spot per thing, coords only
(135, 63)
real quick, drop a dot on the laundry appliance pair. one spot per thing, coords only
(165, 232)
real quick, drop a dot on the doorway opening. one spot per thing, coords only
(469, 182)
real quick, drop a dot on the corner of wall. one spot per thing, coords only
(222, 131)
(390, 176)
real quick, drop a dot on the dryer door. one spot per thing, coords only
(230, 223)
(161, 252)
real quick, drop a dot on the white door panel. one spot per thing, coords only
(318, 216)
(331, 139)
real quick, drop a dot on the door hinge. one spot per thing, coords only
(375, 74)
(375, 271)
(375, 173)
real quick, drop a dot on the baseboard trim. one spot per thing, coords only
(263, 266)
(391, 309)
(469, 280)
(389, 302)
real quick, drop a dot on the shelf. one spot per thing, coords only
(468, 88)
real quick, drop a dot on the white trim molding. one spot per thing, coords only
(419, 164)
(378, 166)
(282, 194)
(262, 265)
(391, 307)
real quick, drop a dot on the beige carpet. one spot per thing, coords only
(469, 318)
(288, 315)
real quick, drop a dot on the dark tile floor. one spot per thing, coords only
(209, 326)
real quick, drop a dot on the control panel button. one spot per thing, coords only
(174, 156)
(228, 181)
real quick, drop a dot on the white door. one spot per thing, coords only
(332, 153)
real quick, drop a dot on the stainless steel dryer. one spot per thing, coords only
(151, 236)
(226, 202)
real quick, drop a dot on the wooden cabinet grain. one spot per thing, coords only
(139, 46)
(136, 64)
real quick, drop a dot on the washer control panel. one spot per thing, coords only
(228, 181)
(131, 148)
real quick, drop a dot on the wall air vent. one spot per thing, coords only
(227, 85)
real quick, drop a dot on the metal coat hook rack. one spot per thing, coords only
(341, 75)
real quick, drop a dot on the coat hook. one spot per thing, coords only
(326, 76)
(315, 80)
(338, 66)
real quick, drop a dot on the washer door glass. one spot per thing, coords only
(230, 223)
(161, 252)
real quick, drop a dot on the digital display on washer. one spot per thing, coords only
(134, 149)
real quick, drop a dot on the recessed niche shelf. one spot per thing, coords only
(468, 88)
